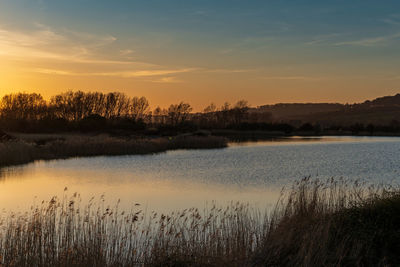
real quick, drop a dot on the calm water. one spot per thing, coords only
(246, 172)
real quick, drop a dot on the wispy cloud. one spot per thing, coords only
(53, 71)
(44, 43)
(291, 78)
(170, 79)
(122, 74)
(373, 41)
(41, 36)
(229, 70)
(393, 19)
(145, 73)
(344, 39)
(64, 52)
(44, 49)
(324, 38)
(125, 52)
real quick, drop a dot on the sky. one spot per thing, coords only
(203, 51)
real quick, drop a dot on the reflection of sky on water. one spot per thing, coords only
(254, 173)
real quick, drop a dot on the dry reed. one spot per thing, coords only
(62, 233)
(315, 224)
(336, 223)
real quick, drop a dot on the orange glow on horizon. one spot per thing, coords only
(50, 61)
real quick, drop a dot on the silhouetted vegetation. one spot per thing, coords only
(315, 224)
(37, 147)
(116, 112)
(73, 111)
(326, 224)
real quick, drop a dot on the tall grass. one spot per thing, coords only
(337, 223)
(24, 151)
(61, 233)
(314, 224)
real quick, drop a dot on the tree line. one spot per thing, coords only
(21, 111)
(72, 106)
(96, 111)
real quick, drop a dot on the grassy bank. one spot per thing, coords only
(315, 224)
(28, 148)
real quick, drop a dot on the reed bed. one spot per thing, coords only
(61, 233)
(334, 223)
(23, 151)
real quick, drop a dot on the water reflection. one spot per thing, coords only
(13, 173)
(46, 180)
(299, 140)
(249, 172)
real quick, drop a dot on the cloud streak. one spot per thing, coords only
(44, 43)
(369, 42)
(46, 47)
(292, 78)
(170, 79)
(394, 20)
(324, 39)
(229, 70)
(121, 74)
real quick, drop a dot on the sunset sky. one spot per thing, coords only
(203, 51)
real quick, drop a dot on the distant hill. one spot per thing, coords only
(380, 111)
(386, 101)
(293, 110)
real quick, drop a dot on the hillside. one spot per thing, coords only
(380, 111)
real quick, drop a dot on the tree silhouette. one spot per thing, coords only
(178, 113)
(23, 106)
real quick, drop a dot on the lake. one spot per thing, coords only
(252, 172)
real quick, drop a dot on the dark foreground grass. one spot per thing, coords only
(334, 224)
(20, 151)
(315, 224)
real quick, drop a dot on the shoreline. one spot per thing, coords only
(259, 135)
(25, 150)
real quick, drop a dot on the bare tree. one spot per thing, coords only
(178, 113)
(23, 106)
(209, 117)
(210, 108)
(239, 111)
(223, 116)
(160, 115)
(139, 108)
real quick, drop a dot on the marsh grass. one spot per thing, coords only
(62, 233)
(334, 223)
(46, 147)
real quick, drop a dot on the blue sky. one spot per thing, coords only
(266, 51)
